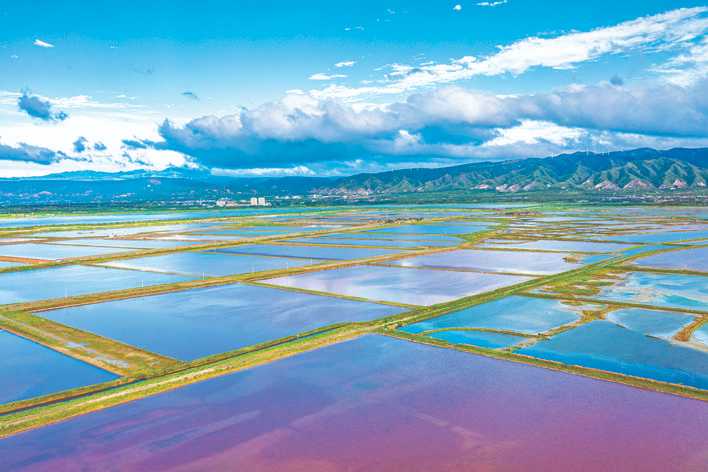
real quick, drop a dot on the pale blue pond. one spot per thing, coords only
(521, 314)
(58, 282)
(662, 324)
(128, 231)
(642, 249)
(310, 252)
(606, 346)
(533, 263)
(376, 242)
(196, 323)
(55, 252)
(686, 259)
(396, 284)
(438, 238)
(663, 237)
(570, 246)
(4, 264)
(477, 338)
(28, 370)
(124, 243)
(435, 228)
(701, 335)
(207, 264)
(664, 290)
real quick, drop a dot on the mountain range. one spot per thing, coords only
(636, 171)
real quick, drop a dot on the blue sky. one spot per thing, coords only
(281, 88)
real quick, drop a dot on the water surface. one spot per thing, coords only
(521, 314)
(196, 323)
(687, 259)
(207, 264)
(533, 263)
(310, 252)
(28, 370)
(411, 286)
(58, 282)
(606, 346)
(380, 404)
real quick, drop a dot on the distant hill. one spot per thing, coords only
(627, 172)
(636, 170)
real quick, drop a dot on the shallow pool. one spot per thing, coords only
(687, 259)
(664, 290)
(410, 286)
(569, 246)
(58, 282)
(55, 252)
(28, 370)
(310, 252)
(434, 228)
(196, 323)
(662, 324)
(532, 263)
(521, 314)
(477, 338)
(606, 346)
(207, 264)
(382, 404)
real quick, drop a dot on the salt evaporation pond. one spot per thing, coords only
(477, 338)
(29, 370)
(662, 324)
(126, 231)
(4, 264)
(664, 290)
(376, 242)
(208, 264)
(58, 282)
(309, 252)
(515, 313)
(438, 238)
(434, 228)
(195, 323)
(661, 237)
(382, 404)
(567, 246)
(410, 286)
(124, 243)
(686, 259)
(55, 252)
(701, 335)
(604, 345)
(533, 263)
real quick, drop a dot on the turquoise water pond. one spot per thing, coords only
(435, 228)
(662, 324)
(477, 338)
(515, 313)
(606, 346)
(664, 290)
